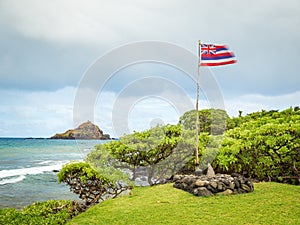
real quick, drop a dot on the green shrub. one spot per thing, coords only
(49, 212)
(81, 170)
(267, 147)
(89, 184)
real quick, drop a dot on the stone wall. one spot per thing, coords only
(222, 184)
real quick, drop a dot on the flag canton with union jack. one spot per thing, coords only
(208, 49)
(216, 55)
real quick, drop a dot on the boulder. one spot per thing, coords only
(210, 171)
(202, 191)
(226, 192)
(201, 183)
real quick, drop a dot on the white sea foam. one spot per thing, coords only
(31, 170)
(12, 180)
(45, 162)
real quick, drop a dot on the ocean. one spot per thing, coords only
(27, 169)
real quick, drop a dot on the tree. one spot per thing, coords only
(145, 149)
(212, 121)
(106, 164)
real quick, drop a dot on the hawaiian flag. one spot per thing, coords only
(216, 55)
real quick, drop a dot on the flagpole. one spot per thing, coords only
(197, 109)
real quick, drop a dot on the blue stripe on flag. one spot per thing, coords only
(215, 57)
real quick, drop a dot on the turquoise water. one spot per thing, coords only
(27, 168)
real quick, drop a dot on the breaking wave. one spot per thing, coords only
(17, 175)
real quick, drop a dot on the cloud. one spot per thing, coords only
(42, 114)
(46, 47)
(141, 115)
(253, 103)
(124, 112)
(49, 44)
(38, 114)
(76, 21)
(106, 22)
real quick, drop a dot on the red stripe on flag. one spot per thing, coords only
(218, 64)
(221, 46)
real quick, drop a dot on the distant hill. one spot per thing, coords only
(86, 130)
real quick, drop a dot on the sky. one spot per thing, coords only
(48, 47)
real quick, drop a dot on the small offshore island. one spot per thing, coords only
(85, 131)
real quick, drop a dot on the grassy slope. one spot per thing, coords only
(270, 203)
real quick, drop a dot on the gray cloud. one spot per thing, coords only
(35, 65)
(48, 45)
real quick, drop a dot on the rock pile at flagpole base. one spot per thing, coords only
(220, 184)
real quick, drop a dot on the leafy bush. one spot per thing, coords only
(81, 170)
(266, 147)
(91, 186)
(49, 212)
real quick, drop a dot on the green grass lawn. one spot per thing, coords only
(270, 203)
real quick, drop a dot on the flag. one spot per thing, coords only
(216, 55)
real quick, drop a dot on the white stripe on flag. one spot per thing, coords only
(218, 60)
